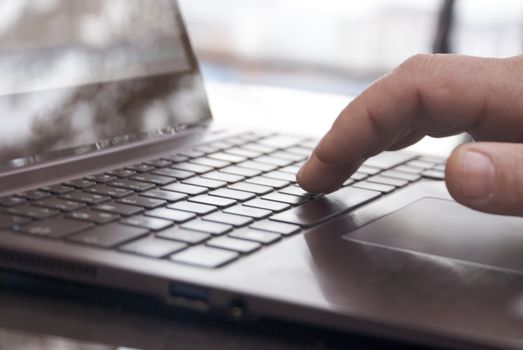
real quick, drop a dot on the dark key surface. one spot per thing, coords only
(229, 219)
(59, 204)
(153, 224)
(79, 183)
(213, 228)
(118, 208)
(7, 220)
(254, 213)
(177, 174)
(229, 178)
(186, 236)
(268, 205)
(11, 201)
(105, 190)
(197, 208)
(57, 189)
(280, 175)
(297, 191)
(236, 170)
(252, 188)
(285, 198)
(144, 202)
(264, 167)
(213, 163)
(153, 247)
(154, 179)
(265, 181)
(176, 216)
(263, 237)
(237, 245)
(33, 195)
(401, 175)
(140, 168)
(184, 188)
(388, 181)
(219, 202)
(97, 217)
(233, 194)
(193, 168)
(103, 178)
(434, 174)
(281, 228)
(84, 197)
(55, 227)
(108, 236)
(205, 256)
(375, 187)
(131, 185)
(204, 182)
(387, 160)
(324, 208)
(168, 196)
(32, 211)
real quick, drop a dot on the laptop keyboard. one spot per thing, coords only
(207, 206)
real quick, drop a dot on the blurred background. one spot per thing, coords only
(332, 48)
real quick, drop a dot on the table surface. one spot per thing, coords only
(30, 320)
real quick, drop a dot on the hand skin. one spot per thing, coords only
(436, 95)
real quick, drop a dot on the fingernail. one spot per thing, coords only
(477, 175)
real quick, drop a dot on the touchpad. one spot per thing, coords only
(446, 228)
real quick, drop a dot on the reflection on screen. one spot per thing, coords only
(73, 72)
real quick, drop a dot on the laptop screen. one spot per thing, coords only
(79, 75)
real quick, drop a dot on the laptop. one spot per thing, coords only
(113, 175)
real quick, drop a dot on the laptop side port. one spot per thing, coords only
(188, 296)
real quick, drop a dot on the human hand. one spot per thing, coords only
(436, 95)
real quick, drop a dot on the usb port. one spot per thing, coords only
(188, 296)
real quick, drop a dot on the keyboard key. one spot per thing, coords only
(276, 227)
(227, 157)
(329, 206)
(280, 175)
(237, 245)
(153, 224)
(33, 195)
(119, 209)
(59, 204)
(131, 185)
(176, 158)
(153, 247)
(83, 197)
(296, 191)
(103, 178)
(208, 148)
(233, 194)
(197, 208)
(203, 182)
(243, 152)
(388, 181)
(177, 174)
(285, 198)
(144, 202)
(268, 205)
(375, 187)
(281, 141)
(213, 228)
(229, 219)
(213, 163)
(205, 257)
(168, 196)
(7, 221)
(220, 145)
(299, 150)
(176, 216)
(55, 227)
(57, 189)
(192, 153)
(368, 170)
(184, 188)
(265, 181)
(159, 163)
(434, 174)
(256, 147)
(262, 237)
(11, 201)
(154, 179)
(440, 167)
(186, 236)
(279, 162)
(408, 169)
(254, 213)
(96, 217)
(263, 167)
(387, 160)
(105, 190)
(140, 168)
(212, 200)
(193, 168)
(401, 175)
(292, 169)
(229, 178)
(236, 170)
(120, 173)
(293, 157)
(79, 183)
(357, 176)
(108, 236)
(421, 164)
(32, 211)
(252, 188)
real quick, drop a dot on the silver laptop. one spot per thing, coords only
(112, 174)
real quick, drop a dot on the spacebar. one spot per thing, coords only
(326, 207)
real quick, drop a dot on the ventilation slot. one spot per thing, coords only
(33, 263)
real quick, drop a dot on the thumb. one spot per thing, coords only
(487, 176)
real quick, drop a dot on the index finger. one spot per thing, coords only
(435, 95)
